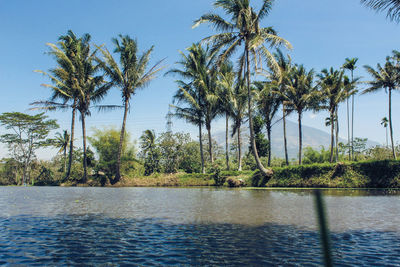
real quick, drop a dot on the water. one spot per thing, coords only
(198, 226)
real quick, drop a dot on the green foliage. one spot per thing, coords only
(26, 134)
(219, 179)
(262, 143)
(106, 142)
(314, 156)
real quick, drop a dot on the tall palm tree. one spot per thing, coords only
(391, 6)
(384, 77)
(300, 95)
(281, 80)
(64, 81)
(268, 103)
(244, 30)
(132, 73)
(226, 84)
(198, 67)
(238, 109)
(350, 64)
(333, 91)
(61, 142)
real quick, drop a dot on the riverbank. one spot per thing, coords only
(365, 174)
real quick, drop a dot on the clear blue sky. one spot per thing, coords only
(323, 33)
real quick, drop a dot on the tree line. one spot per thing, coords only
(210, 85)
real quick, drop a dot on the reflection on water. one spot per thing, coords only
(165, 226)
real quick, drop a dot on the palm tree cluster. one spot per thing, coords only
(81, 80)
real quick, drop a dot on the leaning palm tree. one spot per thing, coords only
(130, 75)
(384, 77)
(64, 83)
(391, 6)
(300, 95)
(350, 65)
(244, 30)
(61, 142)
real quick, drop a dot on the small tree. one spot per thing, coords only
(27, 134)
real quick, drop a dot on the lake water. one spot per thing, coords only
(194, 226)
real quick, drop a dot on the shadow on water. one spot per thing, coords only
(99, 240)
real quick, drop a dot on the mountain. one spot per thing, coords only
(312, 137)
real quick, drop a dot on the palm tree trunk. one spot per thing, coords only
(284, 136)
(84, 180)
(352, 127)
(239, 139)
(390, 122)
(352, 120)
(65, 159)
(266, 172)
(210, 150)
(332, 136)
(227, 141)
(269, 142)
(337, 136)
(300, 138)
(121, 141)
(71, 143)
(203, 170)
(348, 128)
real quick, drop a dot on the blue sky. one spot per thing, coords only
(323, 33)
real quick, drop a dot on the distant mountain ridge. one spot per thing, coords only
(312, 137)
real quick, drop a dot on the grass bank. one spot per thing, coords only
(367, 174)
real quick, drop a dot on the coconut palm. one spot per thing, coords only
(238, 111)
(64, 82)
(61, 142)
(300, 95)
(226, 84)
(391, 6)
(268, 103)
(385, 123)
(190, 110)
(281, 79)
(384, 77)
(243, 30)
(132, 73)
(350, 64)
(198, 68)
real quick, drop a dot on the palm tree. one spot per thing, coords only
(191, 111)
(391, 6)
(61, 142)
(385, 122)
(226, 84)
(285, 65)
(63, 78)
(300, 95)
(148, 141)
(334, 91)
(198, 67)
(385, 77)
(130, 75)
(350, 65)
(268, 104)
(244, 30)
(238, 109)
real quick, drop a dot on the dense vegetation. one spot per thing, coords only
(209, 86)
